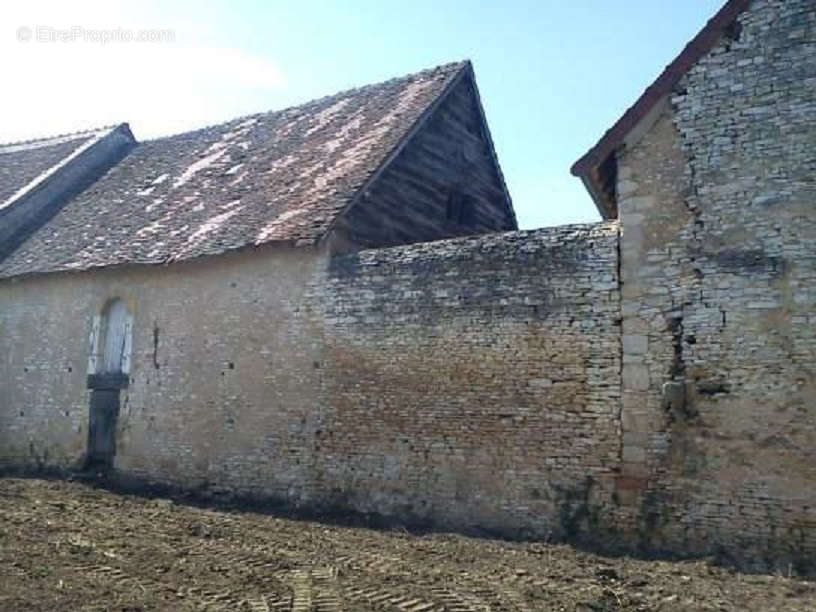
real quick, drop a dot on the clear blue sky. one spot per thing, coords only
(553, 75)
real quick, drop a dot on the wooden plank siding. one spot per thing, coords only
(450, 156)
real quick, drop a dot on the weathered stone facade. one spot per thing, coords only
(716, 205)
(647, 382)
(468, 382)
(485, 373)
(222, 375)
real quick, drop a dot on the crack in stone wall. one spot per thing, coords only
(717, 232)
(653, 377)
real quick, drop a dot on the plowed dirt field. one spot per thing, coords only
(67, 546)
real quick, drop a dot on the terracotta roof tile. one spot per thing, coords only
(276, 176)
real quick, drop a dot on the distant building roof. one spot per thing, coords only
(590, 167)
(25, 165)
(281, 176)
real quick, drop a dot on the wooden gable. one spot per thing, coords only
(445, 181)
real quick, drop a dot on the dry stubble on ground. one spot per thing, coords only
(66, 546)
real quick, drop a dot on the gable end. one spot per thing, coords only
(443, 180)
(595, 167)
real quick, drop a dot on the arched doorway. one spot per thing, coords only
(108, 371)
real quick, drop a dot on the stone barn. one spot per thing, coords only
(712, 176)
(332, 306)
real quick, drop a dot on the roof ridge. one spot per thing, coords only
(281, 181)
(451, 67)
(65, 135)
(705, 39)
(93, 138)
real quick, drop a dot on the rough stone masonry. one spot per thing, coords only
(379, 381)
(485, 373)
(717, 205)
(646, 382)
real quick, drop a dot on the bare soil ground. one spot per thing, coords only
(67, 546)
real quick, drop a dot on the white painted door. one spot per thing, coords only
(116, 328)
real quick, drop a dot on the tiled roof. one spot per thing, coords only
(277, 176)
(24, 164)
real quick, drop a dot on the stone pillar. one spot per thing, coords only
(635, 382)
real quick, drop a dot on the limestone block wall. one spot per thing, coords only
(552, 382)
(475, 382)
(223, 389)
(718, 302)
(470, 382)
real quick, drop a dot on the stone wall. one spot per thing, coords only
(718, 270)
(476, 381)
(223, 384)
(513, 381)
(470, 382)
